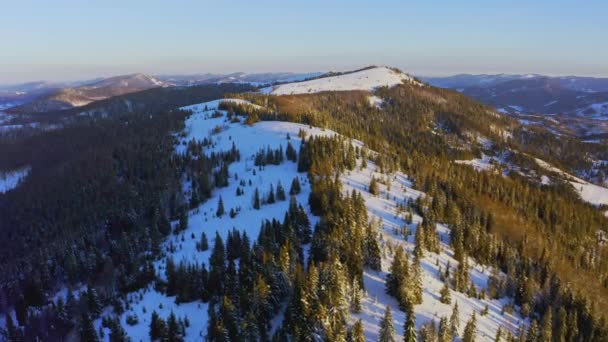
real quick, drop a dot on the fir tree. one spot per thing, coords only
(220, 208)
(498, 336)
(546, 332)
(93, 303)
(409, 327)
(295, 187)
(256, 199)
(469, 329)
(532, 333)
(387, 331)
(358, 332)
(374, 188)
(87, 330)
(446, 298)
(280, 192)
(444, 333)
(455, 320)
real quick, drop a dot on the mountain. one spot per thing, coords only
(237, 77)
(365, 79)
(579, 105)
(302, 210)
(70, 97)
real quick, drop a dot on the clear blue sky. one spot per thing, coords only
(67, 40)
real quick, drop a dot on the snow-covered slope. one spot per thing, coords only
(594, 194)
(382, 208)
(10, 180)
(367, 79)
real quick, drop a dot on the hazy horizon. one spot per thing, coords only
(69, 40)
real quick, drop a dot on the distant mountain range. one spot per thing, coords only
(39, 97)
(533, 94)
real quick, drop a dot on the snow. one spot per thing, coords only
(10, 180)
(594, 194)
(249, 139)
(375, 301)
(375, 101)
(368, 79)
(480, 164)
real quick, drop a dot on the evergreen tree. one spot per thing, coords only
(532, 333)
(546, 332)
(444, 333)
(220, 208)
(455, 320)
(358, 332)
(446, 298)
(158, 328)
(374, 188)
(280, 192)
(203, 244)
(270, 199)
(372, 257)
(498, 336)
(93, 304)
(295, 187)
(87, 330)
(409, 327)
(256, 199)
(469, 329)
(387, 331)
(117, 333)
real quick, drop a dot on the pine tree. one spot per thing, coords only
(280, 192)
(256, 199)
(372, 257)
(498, 336)
(455, 320)
(203, 244)
(446, 298)
(220, 208)
(295, 187)
(415, 283)
(444, 333)
(546, 332)
(356, 297)
(87, 330)
(374, 188)
(358, 332)
(271, 199)
(387, 331)
(469, 329)
(409, 327)
(117, 333)
(93, 303)
(532, 333)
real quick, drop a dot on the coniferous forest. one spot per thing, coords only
(105, 194)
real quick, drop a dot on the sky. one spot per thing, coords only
(65, 40)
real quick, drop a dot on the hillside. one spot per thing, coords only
(303, 216)
(365, 79)
(66, 98)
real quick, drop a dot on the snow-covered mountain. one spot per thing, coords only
(384, 209)
(365, 79)
(81, 95)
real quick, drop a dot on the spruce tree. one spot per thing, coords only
(469, 329)
(409, 327)
(444, 333)
(374, 188)
(455, 320)
(220, 208)
(358, 332)
(295, 187)
(93, 303)
(280, 192)
(446, 298)
(546, 332)
(532, 333)
(87, 330)
(256, 199)
(498, 336)
(387, 331)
